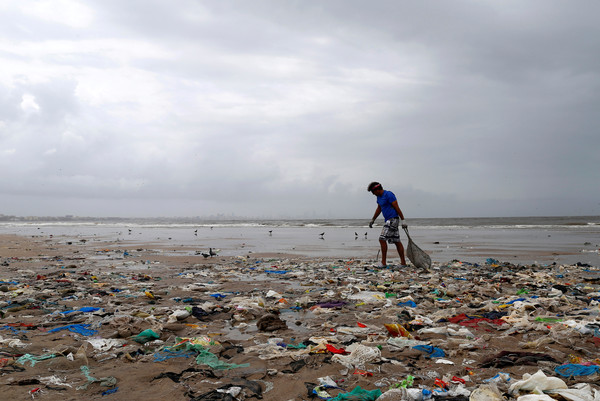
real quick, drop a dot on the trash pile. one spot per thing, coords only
(138, 324)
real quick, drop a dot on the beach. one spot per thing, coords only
(530, 240)
(138, 312)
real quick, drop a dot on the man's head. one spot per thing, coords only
(375, 188)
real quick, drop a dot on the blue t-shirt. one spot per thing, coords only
(385, 202)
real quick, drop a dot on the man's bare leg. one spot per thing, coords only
(400, 249)
(383, 252)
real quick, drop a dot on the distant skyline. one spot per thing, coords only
(353, 222)
(270, 109)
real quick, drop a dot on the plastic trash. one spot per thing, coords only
(87, 309)
(207, 358)
(203, 356)
(146, 336)
(396, 394)
(324, 384)
(76, 328)
(535, 397)
(501, 377)
(54, 381)
(579, 392)
(13, 342)
(108, 381)
(273, 294)
(359, 356)
(105, 344)
(486, 392)
(406, 394)
(433, 352)
(321, 392)
(163, 355)
(178, 315)
(403, 342)
(397, 330)
(358, 394)
(369, 297)
(111, 391)
(570, 370)
(32, 359)
(538, 382)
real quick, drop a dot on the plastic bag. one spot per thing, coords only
(358, 394)
(537, 382)
(416, 255)
(571, 369)
(397, 330)
(486, 392)
(76, 328)
(433, 352)
(535, 397)
(359, 356)
(146, 336)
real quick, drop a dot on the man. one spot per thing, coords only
(388, 205)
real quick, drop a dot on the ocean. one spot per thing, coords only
(519, 240)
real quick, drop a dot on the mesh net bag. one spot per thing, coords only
(416, 255)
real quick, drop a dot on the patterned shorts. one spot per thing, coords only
(390, 232)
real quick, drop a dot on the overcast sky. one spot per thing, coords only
(290, 108)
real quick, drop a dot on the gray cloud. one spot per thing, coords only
(277, 109)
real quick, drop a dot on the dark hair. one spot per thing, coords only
(374, 185)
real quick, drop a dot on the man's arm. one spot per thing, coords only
(377, 212)
(397, 208)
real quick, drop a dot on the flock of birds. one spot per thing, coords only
(322, 235)
(213, 252)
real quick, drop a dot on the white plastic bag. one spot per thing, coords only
(359, 356)
(486, 392)
(538, 382)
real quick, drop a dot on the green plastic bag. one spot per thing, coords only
(206, 357)
(145, 336)
(358, 394)
(32, 359)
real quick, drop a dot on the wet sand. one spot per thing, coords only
(256, 319)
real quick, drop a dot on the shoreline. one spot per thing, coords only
(475, 244)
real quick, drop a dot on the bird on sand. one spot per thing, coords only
(211, 252)
(206, 255)
(322, 235)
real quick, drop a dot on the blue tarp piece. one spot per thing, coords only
(573, 369)
(111, 391)
(433, 352)
(76, 328)
(85, 309)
